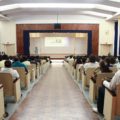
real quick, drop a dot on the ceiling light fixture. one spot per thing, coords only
(59, 5)
(96, 14)
(115, 0)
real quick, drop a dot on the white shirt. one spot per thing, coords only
(13, 72)
(114, 82)
(91, 65)
(117, 65)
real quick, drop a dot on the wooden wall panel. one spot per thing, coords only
(93, 27)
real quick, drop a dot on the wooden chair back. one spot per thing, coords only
(103, 76)
(114, 69)
(112, 104)
(118, 100)
(7, 81)
(11, 87)
(24, 78)
(86, 75)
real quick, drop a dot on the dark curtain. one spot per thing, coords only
(115, 38)
(26, 42)
(89, 50)
(27, 38)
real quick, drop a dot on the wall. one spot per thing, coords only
(106, 38)
(118, 36)
(94, 28)
(8, 32)
(8, 36)
(106, 28)
(75, 46)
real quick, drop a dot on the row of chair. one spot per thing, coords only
(83, 78)
(2, 109)
(13, 88)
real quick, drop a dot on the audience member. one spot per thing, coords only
(101, 93)
(17, 63)
(8, 69)
(92, 63)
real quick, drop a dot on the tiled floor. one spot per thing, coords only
(55, 97)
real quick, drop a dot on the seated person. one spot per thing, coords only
(114, 82)
(102, 69)
(110, 85)
(8, 69)
(78, 61)
(17, 63)
(92, 63)
(25, 61)
(3, 58)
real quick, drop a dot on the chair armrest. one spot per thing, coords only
(14, 81)
(111, 91)
(93, 80)
(1, 86)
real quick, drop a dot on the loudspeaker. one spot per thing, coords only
(57, 26)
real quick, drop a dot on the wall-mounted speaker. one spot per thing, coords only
(57, 26)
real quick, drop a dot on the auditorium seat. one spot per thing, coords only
(114, 69)
(2, 109)
(79, 73)
(32, 71)
(94, 85)
(86, 76)
(24, 78)
(11, 87)
(44, 65)
(112, 104)
(75, 73)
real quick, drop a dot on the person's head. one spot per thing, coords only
(92, 59)
(7, 63)
(5, 57)
(112, 60)
(84, 59)
(104, 67)
(16, 59)
(79, 60)
(107, 61)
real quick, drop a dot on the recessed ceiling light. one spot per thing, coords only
(115, 0)
(97, 14)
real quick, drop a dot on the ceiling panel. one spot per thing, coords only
(32, 12)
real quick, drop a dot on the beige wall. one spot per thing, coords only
(106, 37)
(8, 37)
(75, 46)
(106, 31)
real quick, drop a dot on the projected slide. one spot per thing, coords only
(56, 41)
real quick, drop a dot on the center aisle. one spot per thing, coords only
(55, 97)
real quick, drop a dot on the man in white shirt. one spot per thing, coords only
(92, 63)
(8, 69)
(111, 86)
(114, 82)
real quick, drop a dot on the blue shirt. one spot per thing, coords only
(19, 64)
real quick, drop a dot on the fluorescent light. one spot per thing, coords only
(46, 5)
(107, 8)
(115, 0)
(59, 5)
(4, 17)
(114, 16)
(9, 7)
(96, 14)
